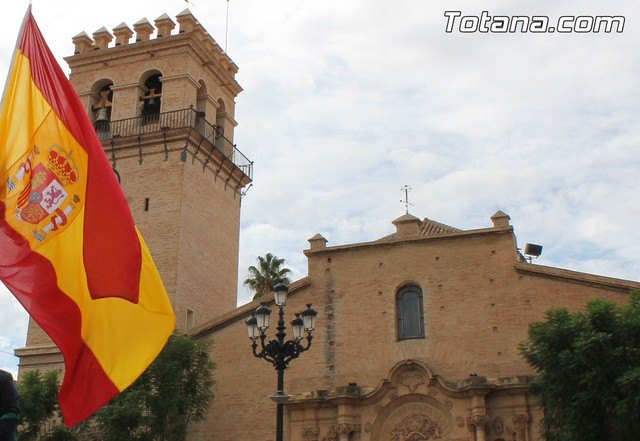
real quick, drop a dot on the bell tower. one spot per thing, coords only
(162, 100)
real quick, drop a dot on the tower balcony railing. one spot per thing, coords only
(175, 119)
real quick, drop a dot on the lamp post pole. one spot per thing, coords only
(280, 406)
(279, 352)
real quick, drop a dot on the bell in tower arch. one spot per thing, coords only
(151, 100)
(102, 109)
(102, 116)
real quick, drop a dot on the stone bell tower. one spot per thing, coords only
(162, 101)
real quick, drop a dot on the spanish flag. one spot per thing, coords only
(69, 250)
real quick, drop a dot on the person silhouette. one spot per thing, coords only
(9, 407)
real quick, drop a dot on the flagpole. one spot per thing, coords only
(226, 28)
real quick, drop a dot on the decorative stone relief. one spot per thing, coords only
(521, 423)
(460, 421)
(416, 427)
(393, 393)
(411, 380)
(345, 429)
(480, 421)
(470, 426)
(331, 435)
(449, 404)
(413, 418)
(310, 433)
(367, 427)
(497, 425)
(433, 392)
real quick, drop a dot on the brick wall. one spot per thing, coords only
(478, 303)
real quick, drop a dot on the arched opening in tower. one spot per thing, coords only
(201, 109)
(102, 100)
(152, 99)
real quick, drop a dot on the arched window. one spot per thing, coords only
(201, 98)
(151, 100)
(410, 310)
(222, 138)
(102, 98)
(201, 110)
(221, 114)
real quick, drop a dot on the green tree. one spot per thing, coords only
(269, 273)
(174, 391)
(588, 371)
(38, 402)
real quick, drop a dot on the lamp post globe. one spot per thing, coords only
(297, 325)
(252, 327)
(262, 316)
(280, 294)
(309, 318)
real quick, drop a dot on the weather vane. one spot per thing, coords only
(406, 189)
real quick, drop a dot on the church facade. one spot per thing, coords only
(417, 333)
(416, 339)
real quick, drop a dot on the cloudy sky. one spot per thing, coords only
(347, 101)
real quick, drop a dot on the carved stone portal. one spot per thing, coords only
(422, 419)
(416, 427)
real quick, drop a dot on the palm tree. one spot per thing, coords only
(269, 273)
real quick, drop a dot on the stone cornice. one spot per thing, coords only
(610, 283)
(115, 88)
(167, 79)
(417, 239)
(45, 349)
(230, 118)
(199, 149)
(435, 385)
(156, 48)
(86, 94)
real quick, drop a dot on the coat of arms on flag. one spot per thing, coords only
(43, 185)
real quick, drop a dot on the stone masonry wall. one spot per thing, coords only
(210, 227)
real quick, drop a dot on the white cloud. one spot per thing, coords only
(345, 102)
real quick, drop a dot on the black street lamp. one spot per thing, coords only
(279, 352)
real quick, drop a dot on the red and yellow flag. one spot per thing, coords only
(69, 250)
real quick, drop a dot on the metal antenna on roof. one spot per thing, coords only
(406, 202)
(226, 29)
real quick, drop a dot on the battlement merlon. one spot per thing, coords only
(191, 36)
